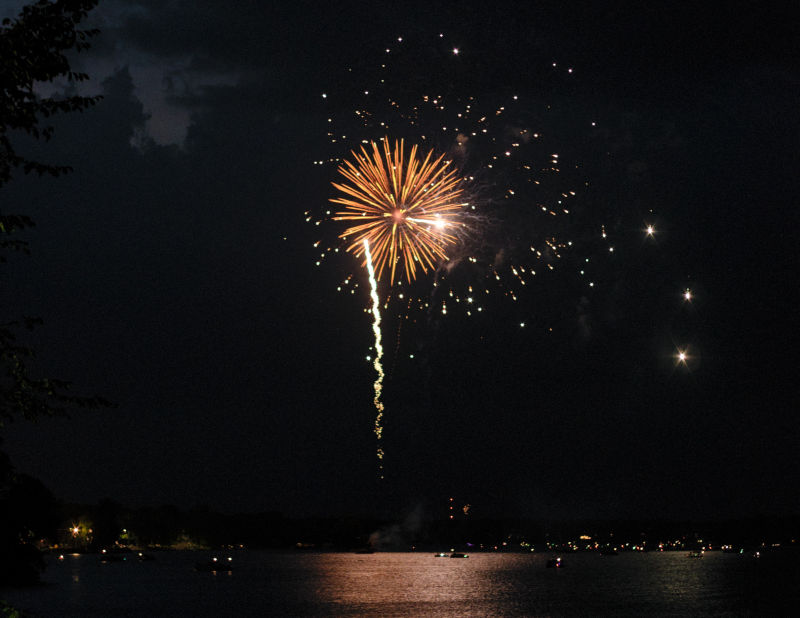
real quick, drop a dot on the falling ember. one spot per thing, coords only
(403, 206)
(376, 329)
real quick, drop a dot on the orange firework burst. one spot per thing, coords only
(405, 206)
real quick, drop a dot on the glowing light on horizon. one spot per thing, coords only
(403, 204)
(650, 230)
(376, 363)
(687, 294)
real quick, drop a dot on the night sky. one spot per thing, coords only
(175, 271)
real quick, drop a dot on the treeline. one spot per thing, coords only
(108, 523)
(32, 521)
(172, 527)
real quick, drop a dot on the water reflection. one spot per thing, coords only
(521, 585)
(378, 579)
(388, 584)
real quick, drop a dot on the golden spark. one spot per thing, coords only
(404, 204)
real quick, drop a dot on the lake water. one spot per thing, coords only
(418, 584)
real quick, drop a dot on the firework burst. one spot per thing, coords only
(537, 234)
(404, 206)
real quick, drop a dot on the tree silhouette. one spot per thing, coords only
(28, 512)
(33, 50)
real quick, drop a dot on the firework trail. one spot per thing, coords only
(376, 329)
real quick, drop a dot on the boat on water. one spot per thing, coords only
(112, 556)
(457, 554)
(695, 554)
(215, 564)
(441, 554)
(555, 563)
